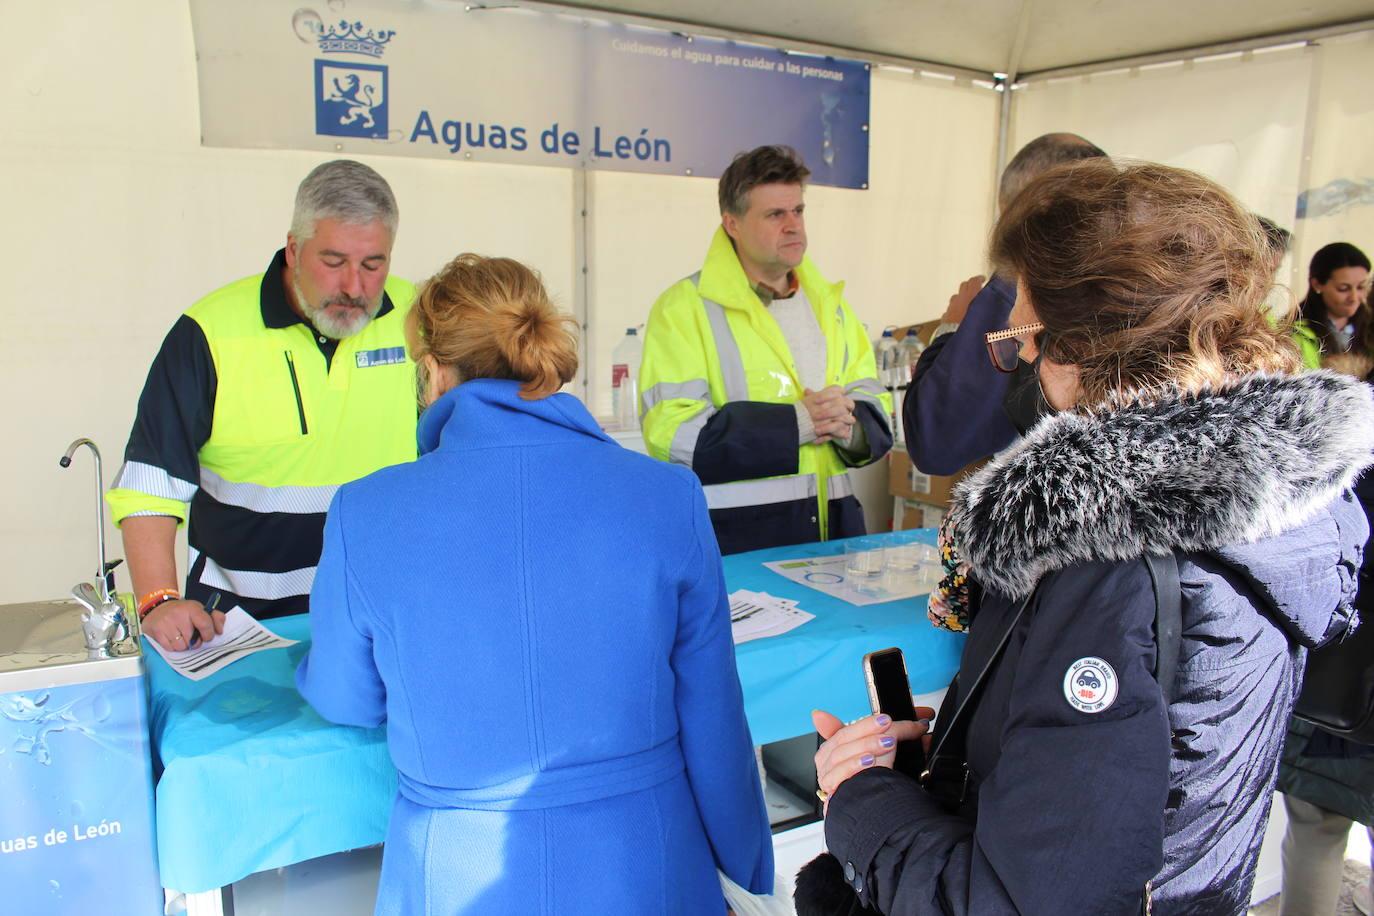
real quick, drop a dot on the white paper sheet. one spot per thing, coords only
(828, 575)
(756, 615)
(242, 637)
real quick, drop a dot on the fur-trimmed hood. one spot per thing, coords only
(1220, 471)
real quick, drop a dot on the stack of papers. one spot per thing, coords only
(242, 637)
(755, 615)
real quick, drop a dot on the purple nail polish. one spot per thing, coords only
(887, 741)
(866, 760)
(883, 719)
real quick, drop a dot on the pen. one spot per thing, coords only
(210, 604)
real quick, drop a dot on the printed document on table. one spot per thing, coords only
(242, 637)
(828, 575)
(756, 615)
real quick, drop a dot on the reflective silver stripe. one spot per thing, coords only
(153, 480)
(261, 585)
(868, 389)
(258, 498)
(695, 390)
(727, 350)
(868, 385)
(760, 492)
(684, 444)
(839, 486)
(839, 316)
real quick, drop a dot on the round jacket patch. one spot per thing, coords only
(1090, 685)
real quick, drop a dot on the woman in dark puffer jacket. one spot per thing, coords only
(1183, 427)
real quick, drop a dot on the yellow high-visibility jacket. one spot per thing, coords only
(718, 386)
(246, 422)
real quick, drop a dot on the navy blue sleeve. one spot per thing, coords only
(177, 406)
(953, 409)
(746, 440)
(1071, 818)
(877, 435)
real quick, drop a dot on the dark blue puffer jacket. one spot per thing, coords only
(1088, 787)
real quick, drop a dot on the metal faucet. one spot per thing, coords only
(104, 620)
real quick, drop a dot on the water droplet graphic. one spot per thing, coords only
(336, 5)
(307, 24)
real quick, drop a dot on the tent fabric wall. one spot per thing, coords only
(1342, 149)
(1249, 121)
(123, 220)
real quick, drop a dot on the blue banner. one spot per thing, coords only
(76, 828)
(519, 86)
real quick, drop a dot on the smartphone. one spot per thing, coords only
(889, 692)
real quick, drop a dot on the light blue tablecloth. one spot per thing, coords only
(252, 778)
(818, 665)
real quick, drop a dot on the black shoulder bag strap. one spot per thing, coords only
(1168, 621)
(946, 775)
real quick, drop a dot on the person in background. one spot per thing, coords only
(1279, 240)
(954, 411)
(1183, 425)
(1336, 316)
(547, 640)
(266, 395)
(1326, 781)
(758, 376)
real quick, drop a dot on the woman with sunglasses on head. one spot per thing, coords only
(1071, 771)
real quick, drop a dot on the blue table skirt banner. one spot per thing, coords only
(252, 778)
(76, 818)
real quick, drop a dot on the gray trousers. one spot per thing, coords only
(1313, 857)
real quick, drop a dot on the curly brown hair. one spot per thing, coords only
(492, 318)
(1145, 277)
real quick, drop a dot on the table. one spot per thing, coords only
(818, 665)
(252, 778)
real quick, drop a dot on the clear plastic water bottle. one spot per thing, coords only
(885, 354)
(625, 360)
(908, 352)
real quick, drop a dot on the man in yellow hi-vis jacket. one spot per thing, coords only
(266, 395)
(759, 377)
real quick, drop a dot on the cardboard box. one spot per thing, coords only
(908, 514)
(906, 481)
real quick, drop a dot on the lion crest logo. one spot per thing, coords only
(350, 99)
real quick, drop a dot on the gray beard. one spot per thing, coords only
(331, 326)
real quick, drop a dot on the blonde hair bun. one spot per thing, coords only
(492, 318)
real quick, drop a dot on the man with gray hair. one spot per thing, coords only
(958, 407)
(266, 396)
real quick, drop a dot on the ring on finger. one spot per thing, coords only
(823, 795)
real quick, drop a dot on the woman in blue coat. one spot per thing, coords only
(540, 619)
(1180, 424)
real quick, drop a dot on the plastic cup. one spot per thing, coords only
(864, 558)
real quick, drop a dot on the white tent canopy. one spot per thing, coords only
(998, 36)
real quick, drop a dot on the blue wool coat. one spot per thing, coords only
(539, 617)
